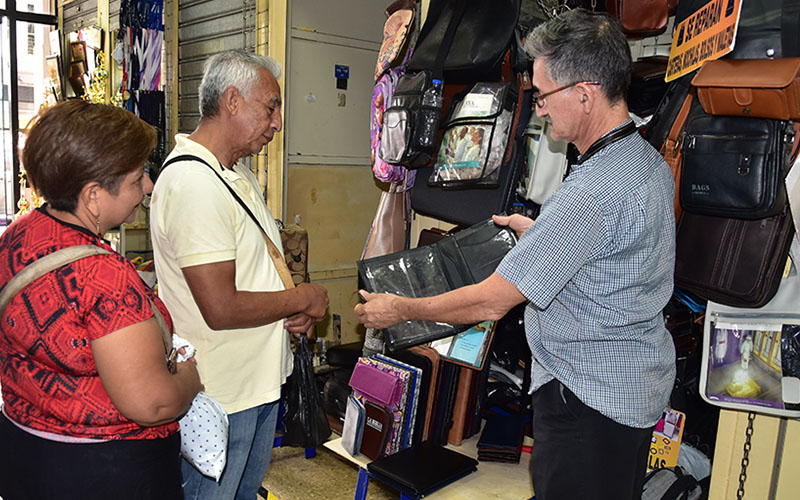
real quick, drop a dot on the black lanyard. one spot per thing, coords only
(607, 139)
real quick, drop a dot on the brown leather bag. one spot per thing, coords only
(672, 150)
(758, 88)
(640, 18)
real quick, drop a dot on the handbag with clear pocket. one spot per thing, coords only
(475, 138)
(751, 356)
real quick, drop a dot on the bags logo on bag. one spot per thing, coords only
(375, 424)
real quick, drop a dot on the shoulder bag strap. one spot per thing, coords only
(44, 265)
(447, 39)
(672, 150)
(275, 254)
(60, 258)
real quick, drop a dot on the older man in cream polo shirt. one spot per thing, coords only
(214, 271)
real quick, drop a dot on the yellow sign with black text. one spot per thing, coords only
(708, 34)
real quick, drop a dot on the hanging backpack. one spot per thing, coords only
(670, 483)
(399, 32)
(381, 96)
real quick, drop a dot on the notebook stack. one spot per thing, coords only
(501, 439)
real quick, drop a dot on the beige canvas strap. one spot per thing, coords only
(60, 258)
(279, 260)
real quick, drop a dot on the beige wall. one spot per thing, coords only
(336, 205)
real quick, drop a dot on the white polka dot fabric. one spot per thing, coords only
(204, 435)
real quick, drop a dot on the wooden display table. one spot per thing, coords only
(491, 480)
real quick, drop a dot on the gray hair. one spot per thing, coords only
(235, 68)
(584, 46)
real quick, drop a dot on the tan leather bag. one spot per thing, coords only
(759, 88)
(672, 150)
(640, 18)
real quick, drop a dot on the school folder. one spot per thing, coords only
(413, 358)
(464, 258)
(387, 386)
(412, 400)
(353, 428)
(433, 356)
(422, 469)
(377, 429)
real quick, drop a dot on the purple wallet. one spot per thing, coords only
(376, 385)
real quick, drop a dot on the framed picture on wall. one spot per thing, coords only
(77, 68)
(53, 65)
(93, 37)
(78, 77)
(78, 50)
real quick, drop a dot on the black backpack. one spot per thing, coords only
(670, 483)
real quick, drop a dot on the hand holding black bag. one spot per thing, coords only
(305, 424)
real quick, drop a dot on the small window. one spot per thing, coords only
(31, 39)
(25, 93)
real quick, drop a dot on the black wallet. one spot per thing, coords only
(464, 258)
(422, 468)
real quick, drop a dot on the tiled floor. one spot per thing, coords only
(324, 477)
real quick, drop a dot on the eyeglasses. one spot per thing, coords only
(539, 99)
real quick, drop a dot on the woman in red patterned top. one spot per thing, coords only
(90, 407)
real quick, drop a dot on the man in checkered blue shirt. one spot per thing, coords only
(595, 270)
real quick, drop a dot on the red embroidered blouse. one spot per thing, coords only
(47, 371)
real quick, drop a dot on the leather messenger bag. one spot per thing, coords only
(756, 88)
(733, 166)
(732, 261)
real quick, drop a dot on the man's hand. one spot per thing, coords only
(316, 300)
(518, 223)
(299, 324)
(379, 310)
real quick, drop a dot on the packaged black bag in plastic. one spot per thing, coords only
(305, 424)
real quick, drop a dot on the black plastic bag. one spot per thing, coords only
(305, 424)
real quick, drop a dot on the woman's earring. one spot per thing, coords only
(97, 223)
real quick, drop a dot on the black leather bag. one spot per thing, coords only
(767, 28)
(734, 166)
(732, 261)
(483, 36)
